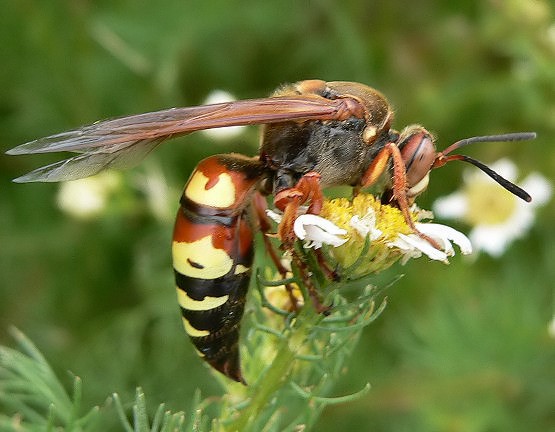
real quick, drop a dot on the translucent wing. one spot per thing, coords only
(91, 163)
(123, 142)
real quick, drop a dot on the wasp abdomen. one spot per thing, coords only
(212, 256)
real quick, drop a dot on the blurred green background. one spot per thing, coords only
(463, 347)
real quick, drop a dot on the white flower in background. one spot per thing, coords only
(159, 195)
(219, 96)
(551, 328)
(87, 198)
(498, 216)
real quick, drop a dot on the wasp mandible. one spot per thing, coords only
(315, 134)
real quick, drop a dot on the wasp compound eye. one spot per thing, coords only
(419, 153)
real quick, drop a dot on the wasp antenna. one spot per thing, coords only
(518, 136)
(510, 186)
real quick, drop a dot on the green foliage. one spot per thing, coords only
(39, 402)
(35, 396)
(308, 353)
(461, 348)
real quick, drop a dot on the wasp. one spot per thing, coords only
(315, 134)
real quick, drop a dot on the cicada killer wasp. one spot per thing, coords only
(315, 134)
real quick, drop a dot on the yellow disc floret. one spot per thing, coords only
(365, 219)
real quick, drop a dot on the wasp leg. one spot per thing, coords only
(289, 200)
(315, 296)
(330, 273)
(259, 204)
(399, 187)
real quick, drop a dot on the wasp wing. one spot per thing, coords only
(90, 163)
(123, 142)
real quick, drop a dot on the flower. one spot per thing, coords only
(366, 219)
(279, 297)
(155, 188)
(368, 236)
(551, 328)
(366, 225)
(86, 198)
(219, 96)
(371, 236)
(498, 217)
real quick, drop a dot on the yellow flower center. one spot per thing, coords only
(383, 224)
(389, 220)
(488, 204)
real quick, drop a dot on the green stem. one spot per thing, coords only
(276, 376)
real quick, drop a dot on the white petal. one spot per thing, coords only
(489, 240)
(494, 239)
(87, 197)
(310, 219)
(452, 206)
(444, 233)
(316, 237)
(504, 167)
(276, 217)
(366, 225)
(408, 250)
(538, 187)
(443, 240)
(551, 328)
(520, 221)
(317, 231)
(219, 96)
(423, 246)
